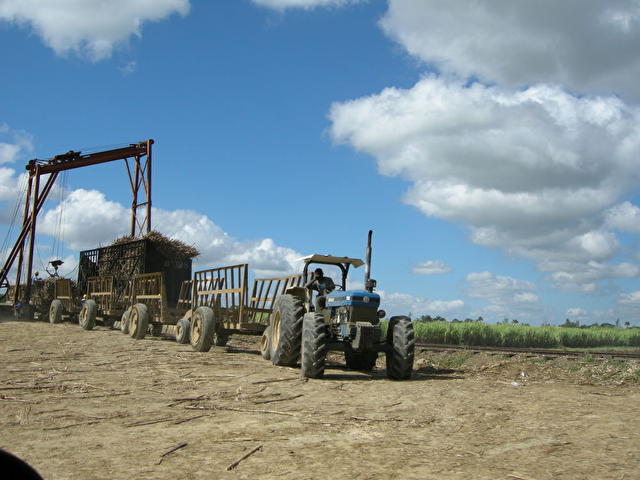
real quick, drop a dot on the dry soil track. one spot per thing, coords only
(100, 405)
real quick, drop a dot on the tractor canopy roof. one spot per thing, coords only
(331, 260)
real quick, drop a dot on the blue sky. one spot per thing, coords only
(492, 146)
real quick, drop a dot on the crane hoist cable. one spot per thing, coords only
(22, 187)
(57, 247)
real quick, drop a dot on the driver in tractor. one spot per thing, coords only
(322, 285)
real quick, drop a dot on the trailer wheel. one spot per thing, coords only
(203, 327)
(182, 331)
(265, 343)
(124, 321)
(360, 360)
(138, 321)
(286, 330)
(314, 345)
(55, 311)
(401, 339)
(87, 317)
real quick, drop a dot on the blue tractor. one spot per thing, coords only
(303, 330)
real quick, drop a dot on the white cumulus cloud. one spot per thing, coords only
(431, 267)
(588, 46)
(497, 288)
(304, 4)
(90, 28)
(624, 217)
(530, 171)
(505, 296)
(405, 304)
(631, 298)
(584, 277)
(14, 144)
(82, 228)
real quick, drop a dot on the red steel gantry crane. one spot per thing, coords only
(139, 178)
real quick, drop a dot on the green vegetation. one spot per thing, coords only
(514, 335)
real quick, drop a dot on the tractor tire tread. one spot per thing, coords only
(286, 351)
(401, 339)
(315, 340)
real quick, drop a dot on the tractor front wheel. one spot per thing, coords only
(402, 343)
(314, 345)
(286, 330)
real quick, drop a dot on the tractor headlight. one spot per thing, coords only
(381, 314)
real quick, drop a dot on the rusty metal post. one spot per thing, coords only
(25, 219)
(149, 143)
(141, 177)
(134, 195)
(32, 239)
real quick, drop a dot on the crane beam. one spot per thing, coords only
(140, 153)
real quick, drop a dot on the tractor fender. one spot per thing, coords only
(298, 292)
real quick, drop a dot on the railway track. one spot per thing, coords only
(430, 347)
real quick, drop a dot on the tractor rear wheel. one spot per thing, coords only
(203, 328)
(182, 331)
(265, 343)
(87, 315)
(314, 345)
(124, 321)
(360, 360)
(401, 339)
(55, 311)
(286, 330)
(138, 321)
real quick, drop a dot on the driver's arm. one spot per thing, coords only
(312, 284)
(329, 285)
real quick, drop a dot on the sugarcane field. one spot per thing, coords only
(320, 239)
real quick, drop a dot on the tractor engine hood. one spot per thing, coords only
(348, 298)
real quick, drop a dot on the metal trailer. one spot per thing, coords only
(116, 279)
(151, 306)
(222, 305)
(65, 303)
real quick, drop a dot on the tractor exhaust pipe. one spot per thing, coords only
(369, 283)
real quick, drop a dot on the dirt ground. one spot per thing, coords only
(100, 405)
